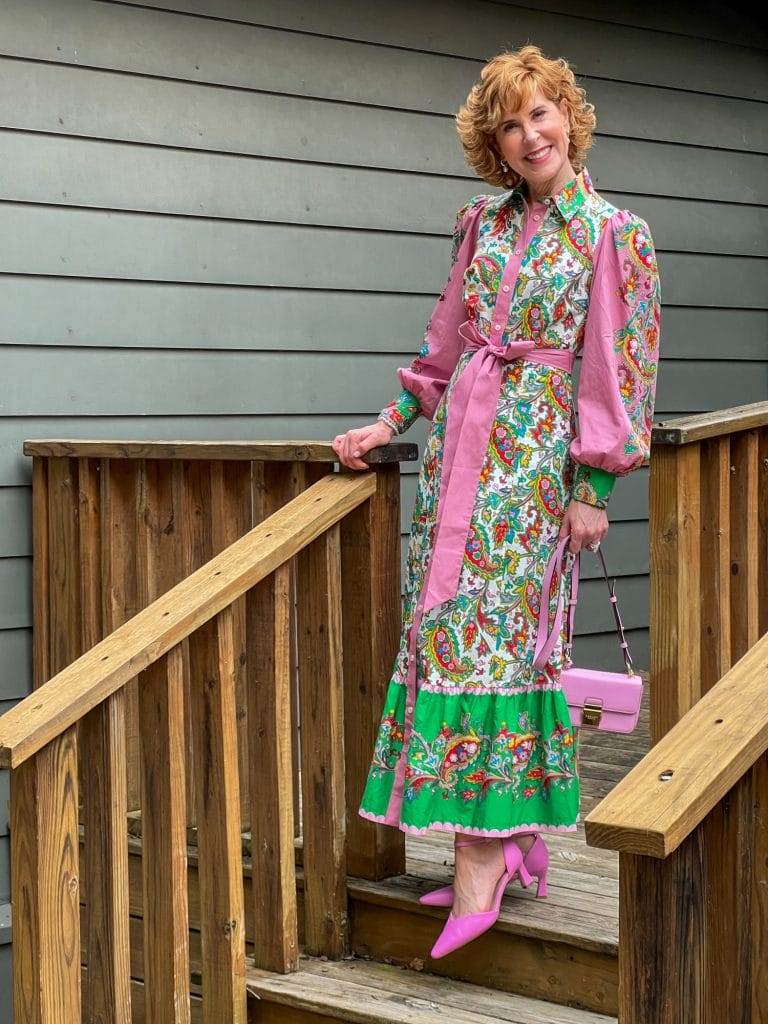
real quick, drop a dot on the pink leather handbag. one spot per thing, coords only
(604, 700)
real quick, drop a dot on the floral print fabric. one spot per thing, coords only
(492, 748)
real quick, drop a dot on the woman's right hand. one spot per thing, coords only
(350, 446)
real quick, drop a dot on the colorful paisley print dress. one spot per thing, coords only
(472, 737)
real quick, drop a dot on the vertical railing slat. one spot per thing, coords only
(270, 737)
(119, 587)
(675, 543)
(214, 723)
(164, 840)
(744, 542)
(41, 649)
(322, 746)
(715, 561)
(370, 540)
(232, 518)
(107, 996)
(45, 885)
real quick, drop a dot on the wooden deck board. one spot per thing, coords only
(368, 993)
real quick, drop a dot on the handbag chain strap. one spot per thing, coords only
(545, 643)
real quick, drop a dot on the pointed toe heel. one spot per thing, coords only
(458, 931)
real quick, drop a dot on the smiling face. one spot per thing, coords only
(534, 142)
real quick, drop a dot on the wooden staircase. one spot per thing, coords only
(214, 626)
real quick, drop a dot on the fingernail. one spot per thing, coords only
(357, 453)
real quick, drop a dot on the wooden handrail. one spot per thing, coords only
(142, 640)
(719, 423)
(705, 754)
(231, 451)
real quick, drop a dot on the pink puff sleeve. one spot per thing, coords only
(620, 353)
(427, 376)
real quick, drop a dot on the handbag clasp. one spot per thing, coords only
(592, 712)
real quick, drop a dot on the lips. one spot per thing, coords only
(539, 156)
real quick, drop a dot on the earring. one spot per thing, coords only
(504, 165)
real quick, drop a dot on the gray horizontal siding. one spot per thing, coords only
(66, 171)
(247, 121)
(121, 382)
(477, 30)
(96, 243)
(15, 658)
(56, 311)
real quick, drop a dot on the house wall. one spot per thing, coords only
(222, 219)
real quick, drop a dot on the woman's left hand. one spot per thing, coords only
(585, 523)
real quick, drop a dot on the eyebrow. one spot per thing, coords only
(507, 120)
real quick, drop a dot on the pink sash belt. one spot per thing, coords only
(471, 411)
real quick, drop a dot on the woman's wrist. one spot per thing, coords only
(593, 486)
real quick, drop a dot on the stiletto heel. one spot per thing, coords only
(541, 888)
(458, 931)
(537, 863)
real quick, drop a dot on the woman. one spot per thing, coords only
(473, 739)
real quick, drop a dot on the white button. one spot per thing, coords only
(409, 708)
(505, 287)
(536, 216)
(517, 252)
(497, 327)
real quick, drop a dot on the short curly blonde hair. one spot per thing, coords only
(507, 82)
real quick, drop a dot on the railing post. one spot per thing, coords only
(270, 697)
(370, 566)
(164, 840)
(46, 885)
(686, 923)
(675, 585)
(322, 746)
(220, 869)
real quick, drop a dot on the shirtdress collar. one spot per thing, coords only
(570, 198)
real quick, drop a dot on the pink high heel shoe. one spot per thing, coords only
(535, 862)
(458, 931)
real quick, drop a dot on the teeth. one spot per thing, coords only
(538, 154)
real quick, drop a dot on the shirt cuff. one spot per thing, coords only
(401, 413)
(593, 486)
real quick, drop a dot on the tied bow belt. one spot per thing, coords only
(471, 412)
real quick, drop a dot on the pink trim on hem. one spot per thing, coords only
(448, 826)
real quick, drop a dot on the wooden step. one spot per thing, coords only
(366, 992)
(563, 949)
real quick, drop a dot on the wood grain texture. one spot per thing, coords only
(707, 751)
(155, 630)
(675, 535)
(106, 992)
(119, 588)
(212, 663)
(744, 533)
(256, 451)
(231, 519)
(762, 530)
(759, 930)
(65, 624)
(45, 854)
(371, 625)
(271, 763)
(274, 485)
(686, 429)
(164, 860)
(661, 913)
(322, 745)
(41, 650)
(716, 654)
